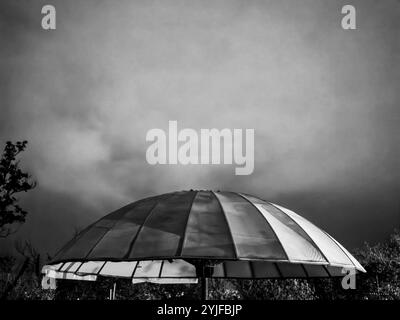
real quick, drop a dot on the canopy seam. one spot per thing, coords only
(227, 224)
(266, 220)
(312, 241)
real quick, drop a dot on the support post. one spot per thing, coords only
(204, 288)
(112, 291)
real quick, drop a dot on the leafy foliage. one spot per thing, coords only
(382, 263)
(12, 181)
(276, 289)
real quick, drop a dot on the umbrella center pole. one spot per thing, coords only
(203, 271)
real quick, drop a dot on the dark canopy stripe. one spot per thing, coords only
(87, 239)
(252, 235)
(207, 233)
(116, 242)
(163, 230)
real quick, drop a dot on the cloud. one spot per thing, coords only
(323, 102)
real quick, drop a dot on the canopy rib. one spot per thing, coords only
(101, 268)
(252, 274)
(124, 209)
(134, 269)
(75, 272)
(223, 269)
(327, 271)
(71, 242)
(350, 258)
(98, 241)
(227, 224)
(266, 220)
(144, 222)
(182, 240)
(60, 267)
(305, 270)
(279, 270)
(161, 267)
(310, 238)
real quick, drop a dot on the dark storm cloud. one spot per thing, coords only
(323, 102)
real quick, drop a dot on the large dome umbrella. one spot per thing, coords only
(184, 236)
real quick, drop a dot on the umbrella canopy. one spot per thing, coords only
(186, 235)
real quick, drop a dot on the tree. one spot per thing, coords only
(382, 262)
(13, 180)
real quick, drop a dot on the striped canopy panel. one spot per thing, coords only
(235, 235)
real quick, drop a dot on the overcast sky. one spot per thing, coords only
(324, 103)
